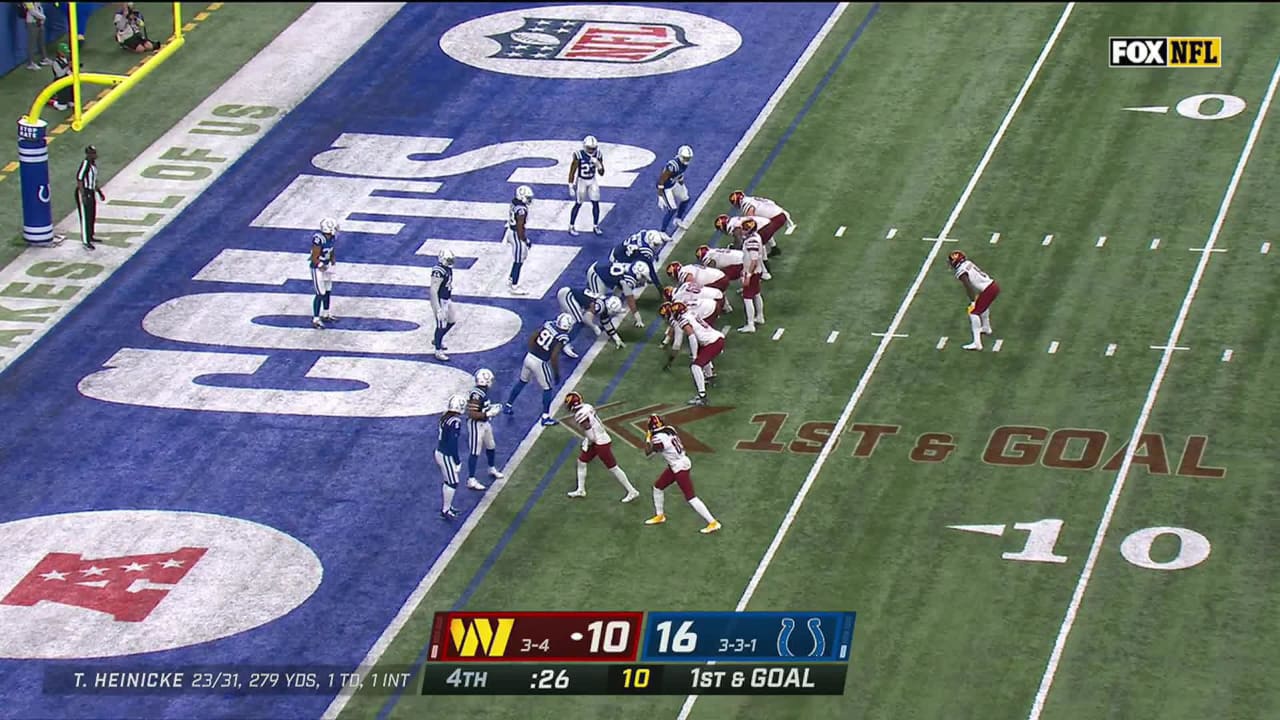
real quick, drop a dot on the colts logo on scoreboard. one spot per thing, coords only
(1166, 52)
(480, 635)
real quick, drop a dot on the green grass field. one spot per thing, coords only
(947, 627)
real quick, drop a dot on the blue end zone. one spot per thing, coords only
(362, 493)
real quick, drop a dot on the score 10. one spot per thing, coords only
(748, 636)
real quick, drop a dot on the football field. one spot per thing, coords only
(1007, 552)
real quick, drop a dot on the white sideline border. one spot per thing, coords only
(442, 562)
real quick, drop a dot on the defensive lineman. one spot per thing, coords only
(664, 439)
(592, 310)
(322, 262)
(596, 443)
(517, 236)
(543, 362)
(673, 196)
(479, 429)
(441, 300)
(447, 458)
(584, 183)
(982, 291)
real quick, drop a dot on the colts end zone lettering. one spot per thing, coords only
(1165, 52)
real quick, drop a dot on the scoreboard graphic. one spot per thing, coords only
(661, 653)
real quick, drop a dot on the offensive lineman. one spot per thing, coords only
(479, 429)
(322, 262)
(543, 362)
(584, 183)
(710, 344)
(663, 438)
(517, 236)
(982, 291)
(447, 458)
(673, 196)
(764, 207)
(441, 302)
(596, 443)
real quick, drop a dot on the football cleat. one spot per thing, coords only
(573, 231)
(507, 409)
(711, 527)
(473, 484)
(517, 290)
(329, 318)
(548, 421)
(955, 258)
(317, 323)
(441, 356)
(493, 473)
(699, 399)
(449, 513)
(722, 223)
(573, 401)
(596, 229)
(632, 495)
(656, 519)
(747, 329)
(577, 493)
(682, 223)
(973, 346)
(735, 198)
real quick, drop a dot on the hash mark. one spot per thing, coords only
(1102, 240)
(995, 238)
(1266, 248)
(1155, 243)
(1047, 239)
(995, 347)
(1053, 347)
(1226, 355)
(892, 232)
(942, 342)
(840, 231)
(1111, 349)
(777, 334)
(832, 337)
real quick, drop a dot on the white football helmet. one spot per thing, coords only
(446, 258)
(457, 403)
(564, 322)
(656, 238)
(524, 194)
(589, 143)
(613, 305)
(641, 271)
(685, 153)
(484, 377)
(329, 226)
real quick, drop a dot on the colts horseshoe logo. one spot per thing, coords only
(43, 193)
(815, 630)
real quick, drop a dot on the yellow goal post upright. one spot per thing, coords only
(33, 153)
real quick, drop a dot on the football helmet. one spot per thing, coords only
(655, 423)
(457, 403)
(685, 153)
(955, 258)
(564, 322)
(484, 377)
(524, 194)
(701, 252)
(678, 309)
(589, 143)
(641, 271)
(446, 258)
(664, 310)
(612, 305)
(722, 223)
(749, 226)
(573, 401)
(329, 227)
(656, 238)
(668, 293)
(735, 198)
(673, 269)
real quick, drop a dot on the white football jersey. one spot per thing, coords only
(723, 257)
(735, 224)
(761, 206)
(753, 249)
(702, 332)
(978, 280)
(668, 443)
(689, 293)
(700, 274)
(589, 421)
(702, 308)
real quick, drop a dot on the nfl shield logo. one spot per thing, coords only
(590, 40)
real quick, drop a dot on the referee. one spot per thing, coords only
(87, 195)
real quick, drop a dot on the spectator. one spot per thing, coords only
(131, 30)
(34, 14)
(62, 68)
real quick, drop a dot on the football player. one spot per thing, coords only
(479, 429)
(732, 226)
(696, 296)
(596, 443)
(542, 361)
(629, 279)
(584, 183)
(322, 262)
(588, 309)
(644, 246)
(663, 438)
(673, 196)
(726, 260)
(516, 235)
(699, 275)
(710, 344)
(982, 291)
(441, 300)
(752, 271)
(447, 458)
(764, 207)
(704, 309)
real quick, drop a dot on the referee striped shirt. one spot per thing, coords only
(87, 175)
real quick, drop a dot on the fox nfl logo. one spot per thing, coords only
(1166, 52)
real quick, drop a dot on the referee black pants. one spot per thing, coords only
(87, 206)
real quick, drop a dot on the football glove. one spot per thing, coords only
(639, 321)
(617, 342)
(573, 191)
(492, 410)
(662, 203)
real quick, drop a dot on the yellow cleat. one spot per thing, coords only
(711, 527)
(656, 519)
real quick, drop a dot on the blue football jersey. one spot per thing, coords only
(676, 167)
(325, 243)
(450, 430)
(443, 275)
(546, 340)
(587, 163)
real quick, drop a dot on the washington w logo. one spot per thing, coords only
(815, 630)
(480, 636)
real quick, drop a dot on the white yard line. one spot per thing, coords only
(437, 569)
(861, 387)
(1073, 608)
